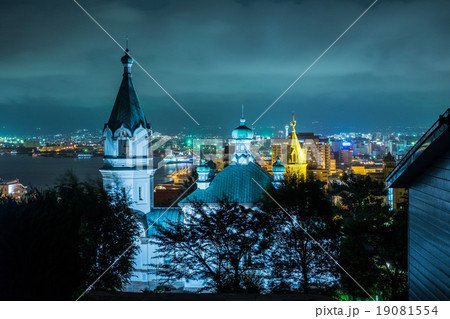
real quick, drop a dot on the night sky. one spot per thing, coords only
(60, 71)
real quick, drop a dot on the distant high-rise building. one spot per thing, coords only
(318, 149)
(279, 149)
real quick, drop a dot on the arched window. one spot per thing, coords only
(123, 147)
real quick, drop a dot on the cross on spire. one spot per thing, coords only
(294, 122)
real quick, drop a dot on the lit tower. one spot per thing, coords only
(278, 171)
(296, 161)
(243, 136)
(286, 128)
(127, 162)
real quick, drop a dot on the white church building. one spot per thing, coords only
(128, 163)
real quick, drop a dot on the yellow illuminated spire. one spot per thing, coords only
(297, 157)
(293, 123)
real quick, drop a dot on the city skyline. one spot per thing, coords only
(213, 58)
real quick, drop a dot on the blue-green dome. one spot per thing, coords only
(242, 132)
(203, 168)
(278, 167)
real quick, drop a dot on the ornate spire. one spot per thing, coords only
(127, 110)
(243, 136)
(293, 123)
(242, 131)
(242, 116)
(127, 62)
(296, 154)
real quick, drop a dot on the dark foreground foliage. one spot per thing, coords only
(223, 246)
(374, 244)
(306, 237)
(295, 249)
(55, 243)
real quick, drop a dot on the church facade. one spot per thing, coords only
(128, 166)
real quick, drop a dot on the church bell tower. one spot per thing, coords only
(296, 162)
(128, 162)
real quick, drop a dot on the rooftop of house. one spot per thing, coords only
(434, 143)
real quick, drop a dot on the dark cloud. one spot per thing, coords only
(392, 68)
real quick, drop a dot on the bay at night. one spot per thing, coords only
(41, 172)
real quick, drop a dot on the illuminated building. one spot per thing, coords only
(278, 171)
(237, 180)
(128, 166)
(424, 171)
(318, 150)
(318, 174)
(127, 155)
(13, 189)
(280, 149)
(243, 137)
(368, 169)
(296, 157)
(346, 155)
(332, 166)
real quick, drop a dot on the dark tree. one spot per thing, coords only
(55, 243)
(374, 244)
(297, 261)
(223, 245)
(354, 192)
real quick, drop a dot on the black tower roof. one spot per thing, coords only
(127, 110)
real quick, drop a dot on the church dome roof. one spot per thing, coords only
(242, 132)
(238, 183)
(277, 167)
(203, 168)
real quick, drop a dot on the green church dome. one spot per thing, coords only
(278, 167)
(203, 168)
(242, 132)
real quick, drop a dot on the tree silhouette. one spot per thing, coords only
(374, 244)
(297, 262)
(223, 246)
(55, 243)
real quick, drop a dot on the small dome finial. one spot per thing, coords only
(127, 61)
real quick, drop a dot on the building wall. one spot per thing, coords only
(429, 237)
(325, 153)
(346, 157)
